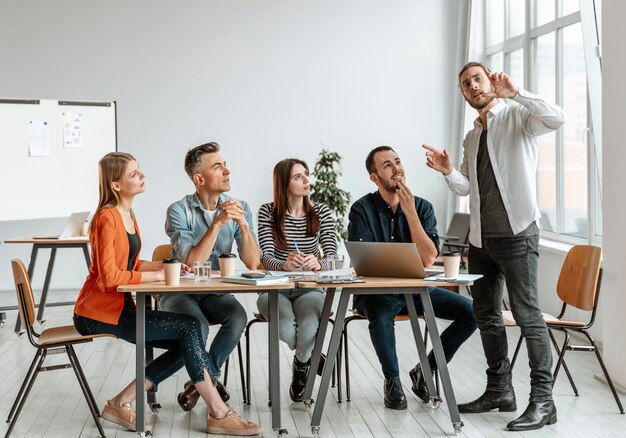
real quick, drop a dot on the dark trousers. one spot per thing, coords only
(179, 335)
(382, 309)
(511, 261)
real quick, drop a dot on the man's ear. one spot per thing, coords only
(374, 178)
(198, 179)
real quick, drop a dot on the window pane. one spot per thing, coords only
(495, 62)
(569, 7)
(544, 85)
(574, 133)
(544, 12)
(517, 17)
(495, 11)
(516, 67)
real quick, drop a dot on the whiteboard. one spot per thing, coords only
(64, 181)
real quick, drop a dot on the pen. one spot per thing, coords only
(296, 245)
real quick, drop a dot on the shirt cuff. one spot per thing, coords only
(455, 176)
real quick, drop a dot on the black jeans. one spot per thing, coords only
(511, 260)
(381, 311)
(179, 334)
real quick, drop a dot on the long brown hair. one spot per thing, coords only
(282, 177)
(111, 168)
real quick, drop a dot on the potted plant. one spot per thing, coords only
(325, 189)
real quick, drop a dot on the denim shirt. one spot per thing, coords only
(187, 222)
(371, 220)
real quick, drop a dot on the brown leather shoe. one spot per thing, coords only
(189, 397)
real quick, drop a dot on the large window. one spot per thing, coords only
(541, 45)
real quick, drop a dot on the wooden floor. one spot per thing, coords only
(56, 408)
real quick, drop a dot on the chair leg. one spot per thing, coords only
(42, 354)
(84, 386)
(27, 378)
(225, 383)
(605, 371)
(247, 392)
(565, 367)
(336, 368)
(346, 356)
(517, 348)
(241, 371)
(563, 350)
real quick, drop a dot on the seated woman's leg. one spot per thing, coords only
(307, 308)
(287, 319)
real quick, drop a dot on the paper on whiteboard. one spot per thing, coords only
(39, 138)
(72, 130)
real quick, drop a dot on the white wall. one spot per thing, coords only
(613, 300)
(266, 79)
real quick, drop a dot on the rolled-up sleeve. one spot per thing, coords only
(179, 231)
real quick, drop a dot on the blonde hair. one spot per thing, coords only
(111, 168)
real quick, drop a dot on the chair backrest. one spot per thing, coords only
(162, 252)
(22, 281)
(578, 281)
(460, 227)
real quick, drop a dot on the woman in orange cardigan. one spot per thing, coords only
(115, 243)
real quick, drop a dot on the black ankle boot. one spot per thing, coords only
(298, 379)
(503, 401)
(419, 385)
(536, 415)
(394, 394)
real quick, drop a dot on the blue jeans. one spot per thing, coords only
(178, 334)
(299, 318)
(382, 309)
(223, 309)
(511, 260)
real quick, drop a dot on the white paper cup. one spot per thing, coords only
(172, 271)
(451, 264)
(227, 264)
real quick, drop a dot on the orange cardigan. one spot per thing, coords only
(99, 298)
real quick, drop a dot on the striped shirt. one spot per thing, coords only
(274, 258)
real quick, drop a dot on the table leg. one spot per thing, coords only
(46, 284)
(421, 348)
(140, 365)
(274, 368)
(440, 358)
(87, 256)
(319, 344)
(330, 355)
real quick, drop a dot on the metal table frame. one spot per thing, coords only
(195, 288)
(335, 339)
(53, 245)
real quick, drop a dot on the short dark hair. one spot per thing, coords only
(369, 161)
(193, 159)
(470, 65)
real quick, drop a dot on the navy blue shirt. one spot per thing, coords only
(371, 220)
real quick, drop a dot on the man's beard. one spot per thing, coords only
(480, 105)
(390, 186)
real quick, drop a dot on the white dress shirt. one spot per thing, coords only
(512, 132)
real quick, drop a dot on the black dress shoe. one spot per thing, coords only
(300, 373)
(419, 385)
(536, 415)
(394, 395)
(503, 401)
(189, 397)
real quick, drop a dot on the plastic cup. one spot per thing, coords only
(451, 264)
(171, 267)
(202, 270)
(227, 264)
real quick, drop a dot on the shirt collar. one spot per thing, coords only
(492, 112)
(195, 201)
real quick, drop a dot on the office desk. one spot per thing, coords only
(213, 286)
(373, 286)
(53, 244)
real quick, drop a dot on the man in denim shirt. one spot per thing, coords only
(201, 226)
(393, 214)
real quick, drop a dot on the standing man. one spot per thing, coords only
(201, 226)
(499, 173)
(393, 214)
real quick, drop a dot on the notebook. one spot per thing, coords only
(387, 259)
(72, 227)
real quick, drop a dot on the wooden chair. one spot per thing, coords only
(51, 340)
(164, 251)
(578, 287)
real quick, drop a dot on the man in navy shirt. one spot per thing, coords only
(393, 214)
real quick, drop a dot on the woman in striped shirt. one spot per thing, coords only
(291, 231)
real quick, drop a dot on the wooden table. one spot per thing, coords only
(373, 286)
(53, 244)
(213, 286)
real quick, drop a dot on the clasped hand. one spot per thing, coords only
(302, 262)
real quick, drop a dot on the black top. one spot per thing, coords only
(134, 244)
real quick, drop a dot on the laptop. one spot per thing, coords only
(387, 259)
(72, 227)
